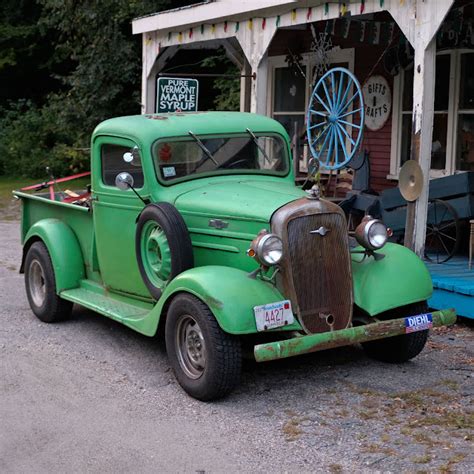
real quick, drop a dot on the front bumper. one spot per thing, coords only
(343, 337)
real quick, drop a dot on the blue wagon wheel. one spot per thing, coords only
(335, 118)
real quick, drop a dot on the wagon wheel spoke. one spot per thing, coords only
(339, 92)
(321, 101)
(345, 132)
(447, 236)
(317, 112)
(354, 111)
(331, 105)
(442, 217)
(445, 226)
(443, 244)
(316, 140)
(317, 125)
(333, 87)
(341, 141)
(350, 124)
(348, 103)
(326, 139)
(331, 141)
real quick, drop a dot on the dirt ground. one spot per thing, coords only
(89, 395)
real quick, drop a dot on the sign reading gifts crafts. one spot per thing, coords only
(176, 95)
(378, 102)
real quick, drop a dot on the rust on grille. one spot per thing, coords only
(316, 271)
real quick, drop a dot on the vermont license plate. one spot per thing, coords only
(420, 322)
(273, 315)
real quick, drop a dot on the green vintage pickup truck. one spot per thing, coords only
(193, 227)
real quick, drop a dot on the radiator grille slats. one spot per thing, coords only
(320, 270)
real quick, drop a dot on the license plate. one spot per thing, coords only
(273, 315)
(419, 322)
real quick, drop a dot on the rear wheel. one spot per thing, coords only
(206, 361)
(40, 286)
(399, 348)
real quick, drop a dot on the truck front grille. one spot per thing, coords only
(320, 271)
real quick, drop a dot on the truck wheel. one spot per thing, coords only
(205, 360)
(41, 286)
(399, 348)
(162, 245)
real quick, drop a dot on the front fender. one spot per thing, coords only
(400, 278)
(229, 292)
(63, 248)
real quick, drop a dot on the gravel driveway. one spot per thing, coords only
(89, 395)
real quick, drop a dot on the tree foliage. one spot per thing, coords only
(66, 65)
(93, 65)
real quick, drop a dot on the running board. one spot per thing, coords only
(107, 305)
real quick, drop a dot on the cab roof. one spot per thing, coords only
(150, 127)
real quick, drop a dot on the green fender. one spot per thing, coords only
(400, 278)
(229, 292)
(63, 248)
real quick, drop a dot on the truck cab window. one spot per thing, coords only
(118, 158)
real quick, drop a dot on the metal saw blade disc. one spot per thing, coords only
(410, 180)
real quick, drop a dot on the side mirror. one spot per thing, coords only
(124, 181)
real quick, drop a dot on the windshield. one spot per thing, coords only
(178, 159)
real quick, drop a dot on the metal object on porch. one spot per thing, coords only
(451, 199)
(410, 180)
(335, 119)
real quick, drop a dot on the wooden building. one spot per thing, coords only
(414, 57)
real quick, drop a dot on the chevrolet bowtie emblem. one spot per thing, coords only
(321, 231)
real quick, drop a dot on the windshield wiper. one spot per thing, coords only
(203, 147)
(255, 140)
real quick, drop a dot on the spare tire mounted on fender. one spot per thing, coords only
(163, 246)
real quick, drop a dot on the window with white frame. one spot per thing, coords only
(453, 125)
(290, 89)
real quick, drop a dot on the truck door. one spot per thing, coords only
(115, 213)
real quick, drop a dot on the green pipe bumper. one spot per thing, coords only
(343, 337)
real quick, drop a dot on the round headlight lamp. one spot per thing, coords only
(371, 233)
(266, 248)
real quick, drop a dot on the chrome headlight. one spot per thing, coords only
(266, 248)
(371, 233)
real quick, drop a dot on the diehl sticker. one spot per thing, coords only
(420, 322)
(169, 171)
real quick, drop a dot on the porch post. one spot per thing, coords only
(245, 86)
(421, 139)
(259, 89)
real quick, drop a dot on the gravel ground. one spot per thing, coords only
(89, 395)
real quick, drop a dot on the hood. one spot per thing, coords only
(239, 200)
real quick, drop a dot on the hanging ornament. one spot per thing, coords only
(278, 21)
(225, 27)
(293, 15)
(346, 26)
(295, 63)
(264, 23)
(363, 27)
(381, 3)
(237, 26)
(321, 45)
(309, 13)
(343, 9)
(326, 8)
(362, 6)
(190, 33)
(250, 24)
(180, 36)
(202, 29)
(213, 28)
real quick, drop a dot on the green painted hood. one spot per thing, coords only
(243, 199)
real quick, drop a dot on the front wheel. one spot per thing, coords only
(41, 286)
(205, 360)
(399, 348)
